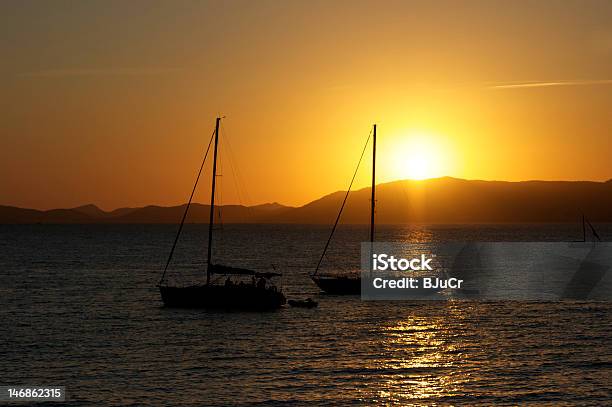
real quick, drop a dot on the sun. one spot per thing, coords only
(418, 165)
(417, 156)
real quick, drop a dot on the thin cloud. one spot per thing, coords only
(520, 85)
(53, 73)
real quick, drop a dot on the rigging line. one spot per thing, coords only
(593, 230)
(220, 182)
(241, 189)
(244, 197)
(186, 210)
(219, 249)
(234, 169)
(240, 184)
(219, 194)
(343, 203)
(245, 191)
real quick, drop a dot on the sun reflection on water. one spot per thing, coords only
(419, 234)
(418, 358)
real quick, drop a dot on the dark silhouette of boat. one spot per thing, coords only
(348, 283)
(243, 288)
(256, 295)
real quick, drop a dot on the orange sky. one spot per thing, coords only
(112, 103)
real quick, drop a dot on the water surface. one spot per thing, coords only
(79, 308)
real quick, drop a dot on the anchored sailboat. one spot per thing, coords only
(348, 283)
(586, 222)
(257, 293)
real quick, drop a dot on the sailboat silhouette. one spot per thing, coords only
(348, 284)
(257, 294)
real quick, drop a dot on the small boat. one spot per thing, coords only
(586, 222)
(307, 303)
(242, 289)
(348, 283)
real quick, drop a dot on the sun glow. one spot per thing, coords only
(417, 156)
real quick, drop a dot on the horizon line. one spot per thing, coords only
(306, 203)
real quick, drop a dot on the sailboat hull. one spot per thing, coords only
(338, 285)
(241, 297)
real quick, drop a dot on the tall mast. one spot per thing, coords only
(373, 187)
(212, 203)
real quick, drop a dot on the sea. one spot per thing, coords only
(79, 308)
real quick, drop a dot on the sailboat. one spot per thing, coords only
(258, 292)
(585, 222)
(348, 283)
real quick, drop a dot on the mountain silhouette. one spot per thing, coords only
(438, 200)
(452, 200)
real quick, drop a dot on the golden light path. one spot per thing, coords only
(421, 356)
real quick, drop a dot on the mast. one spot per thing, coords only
(373, 187)
(583, 229)
(212, 203)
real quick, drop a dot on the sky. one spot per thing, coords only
(114, 102)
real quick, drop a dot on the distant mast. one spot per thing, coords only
(212, 203)
(373, 187)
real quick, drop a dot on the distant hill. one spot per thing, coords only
(452, 200)
(198, 213)
(438, 200)
(95, 212)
